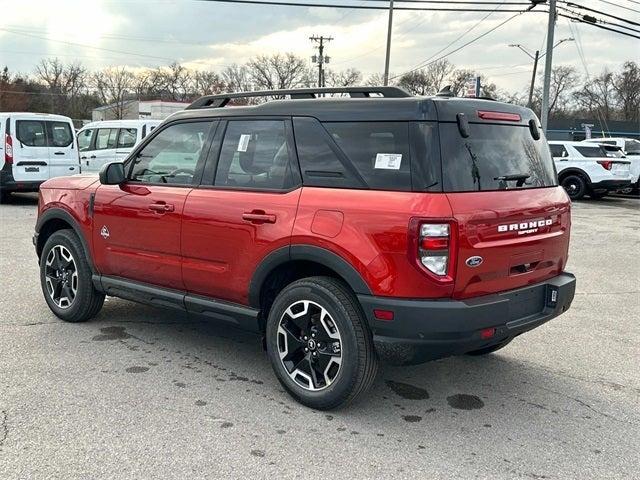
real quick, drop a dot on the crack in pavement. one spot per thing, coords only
(4, 430)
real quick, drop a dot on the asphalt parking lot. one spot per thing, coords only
(144, 393)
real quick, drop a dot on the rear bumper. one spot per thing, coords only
(423, 330)
(611, 185)
(9, 184)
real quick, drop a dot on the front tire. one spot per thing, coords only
(575, 186)
(65, 277)
(319, 343)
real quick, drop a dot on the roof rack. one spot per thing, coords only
(218, 101)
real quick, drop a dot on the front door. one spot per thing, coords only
(244, 209)
(136, 228)
(103, 151)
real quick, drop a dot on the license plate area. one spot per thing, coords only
(527, 302)
(31, 169)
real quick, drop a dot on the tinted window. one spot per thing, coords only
(106, 138)
(494, 157)
(84, 140)
(31, 133)
(172, 155)
(321, 161)
(558, 151)
(60, 134)
(255, 155)
(591, 152)
(127, 138)
(378, 150)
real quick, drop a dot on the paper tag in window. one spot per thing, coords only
(388, 161)
(243, 143)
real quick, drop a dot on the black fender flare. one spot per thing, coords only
(60, 214)
(309, 253)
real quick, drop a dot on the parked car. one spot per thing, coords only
(630, 147)
(33, 148)
(110, 141)
(343, 230)
(588, 169)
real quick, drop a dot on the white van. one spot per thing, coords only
(35, 147)
(110, 141)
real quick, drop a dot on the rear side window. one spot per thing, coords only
(632, 147)
(84, 140)
(31, 133)
(127, 138)
(494, 157)
(60, 134)
(255, 155)
(379, 151)
(591, 152)
(106, 138)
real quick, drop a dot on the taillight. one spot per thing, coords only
(606, 164)
(432, 247)
(8, 149)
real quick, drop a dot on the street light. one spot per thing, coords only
(535, 57)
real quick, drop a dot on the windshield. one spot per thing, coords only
(494, 157)
(592, 152)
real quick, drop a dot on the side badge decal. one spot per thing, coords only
(473, 261)
(104, 232)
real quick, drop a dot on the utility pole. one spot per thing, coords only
(535, 57)
(320, 59)
(544, 114)
(387, 57)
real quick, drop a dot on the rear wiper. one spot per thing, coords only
(519, 178)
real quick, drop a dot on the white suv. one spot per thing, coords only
(587, 169)
(631, 149)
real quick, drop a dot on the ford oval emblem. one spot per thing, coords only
(474, 261)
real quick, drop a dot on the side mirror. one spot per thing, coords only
(112, 174)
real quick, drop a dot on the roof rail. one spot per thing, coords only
(218, 101)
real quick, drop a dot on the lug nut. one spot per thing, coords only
(313, 335)
(305, 337)
(306, 349)
(315, 354)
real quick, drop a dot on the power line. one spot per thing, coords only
(582, 20)
(361, 7)
(592, 19)
(575, 5)
(429, 62)
(619, 6)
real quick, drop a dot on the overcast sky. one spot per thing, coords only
(210, 35)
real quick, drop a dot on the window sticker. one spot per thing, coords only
(243, 143)
(388, 161)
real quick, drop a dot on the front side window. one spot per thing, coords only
(60, 134)
(106, 138)
(172, 156)
(255, 155)
(31, 133)
(127, 138)
(84, 140)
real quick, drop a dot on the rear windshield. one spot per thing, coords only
(591, 152)
(494, 157)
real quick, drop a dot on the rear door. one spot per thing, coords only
(30, 150)
(104, 148)
(512, 218)
(244, 209)
(136, 227)
(63, 151)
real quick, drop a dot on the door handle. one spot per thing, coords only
(161, 207)
(259, 217)
(58, 153)
(92, 156)
(83, 157)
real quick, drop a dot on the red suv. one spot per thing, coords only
(344, 229)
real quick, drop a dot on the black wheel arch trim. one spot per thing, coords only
(60, 214)
(309, 253)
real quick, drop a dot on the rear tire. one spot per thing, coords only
(488, 350)
(575, 185)
(319, 343)
(65, 277)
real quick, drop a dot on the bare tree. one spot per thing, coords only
(236, 78)
(207, 83)
(173, 82)
(66, 84)
(563, 80)
(344, 78)
(427, 81)
(415, 82)
(278, 71)
(627, 87)
(376, 79)
(113, 86)
(597, 96)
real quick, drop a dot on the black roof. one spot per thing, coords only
(362, 104)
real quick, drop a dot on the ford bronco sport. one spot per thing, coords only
(343, 229)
